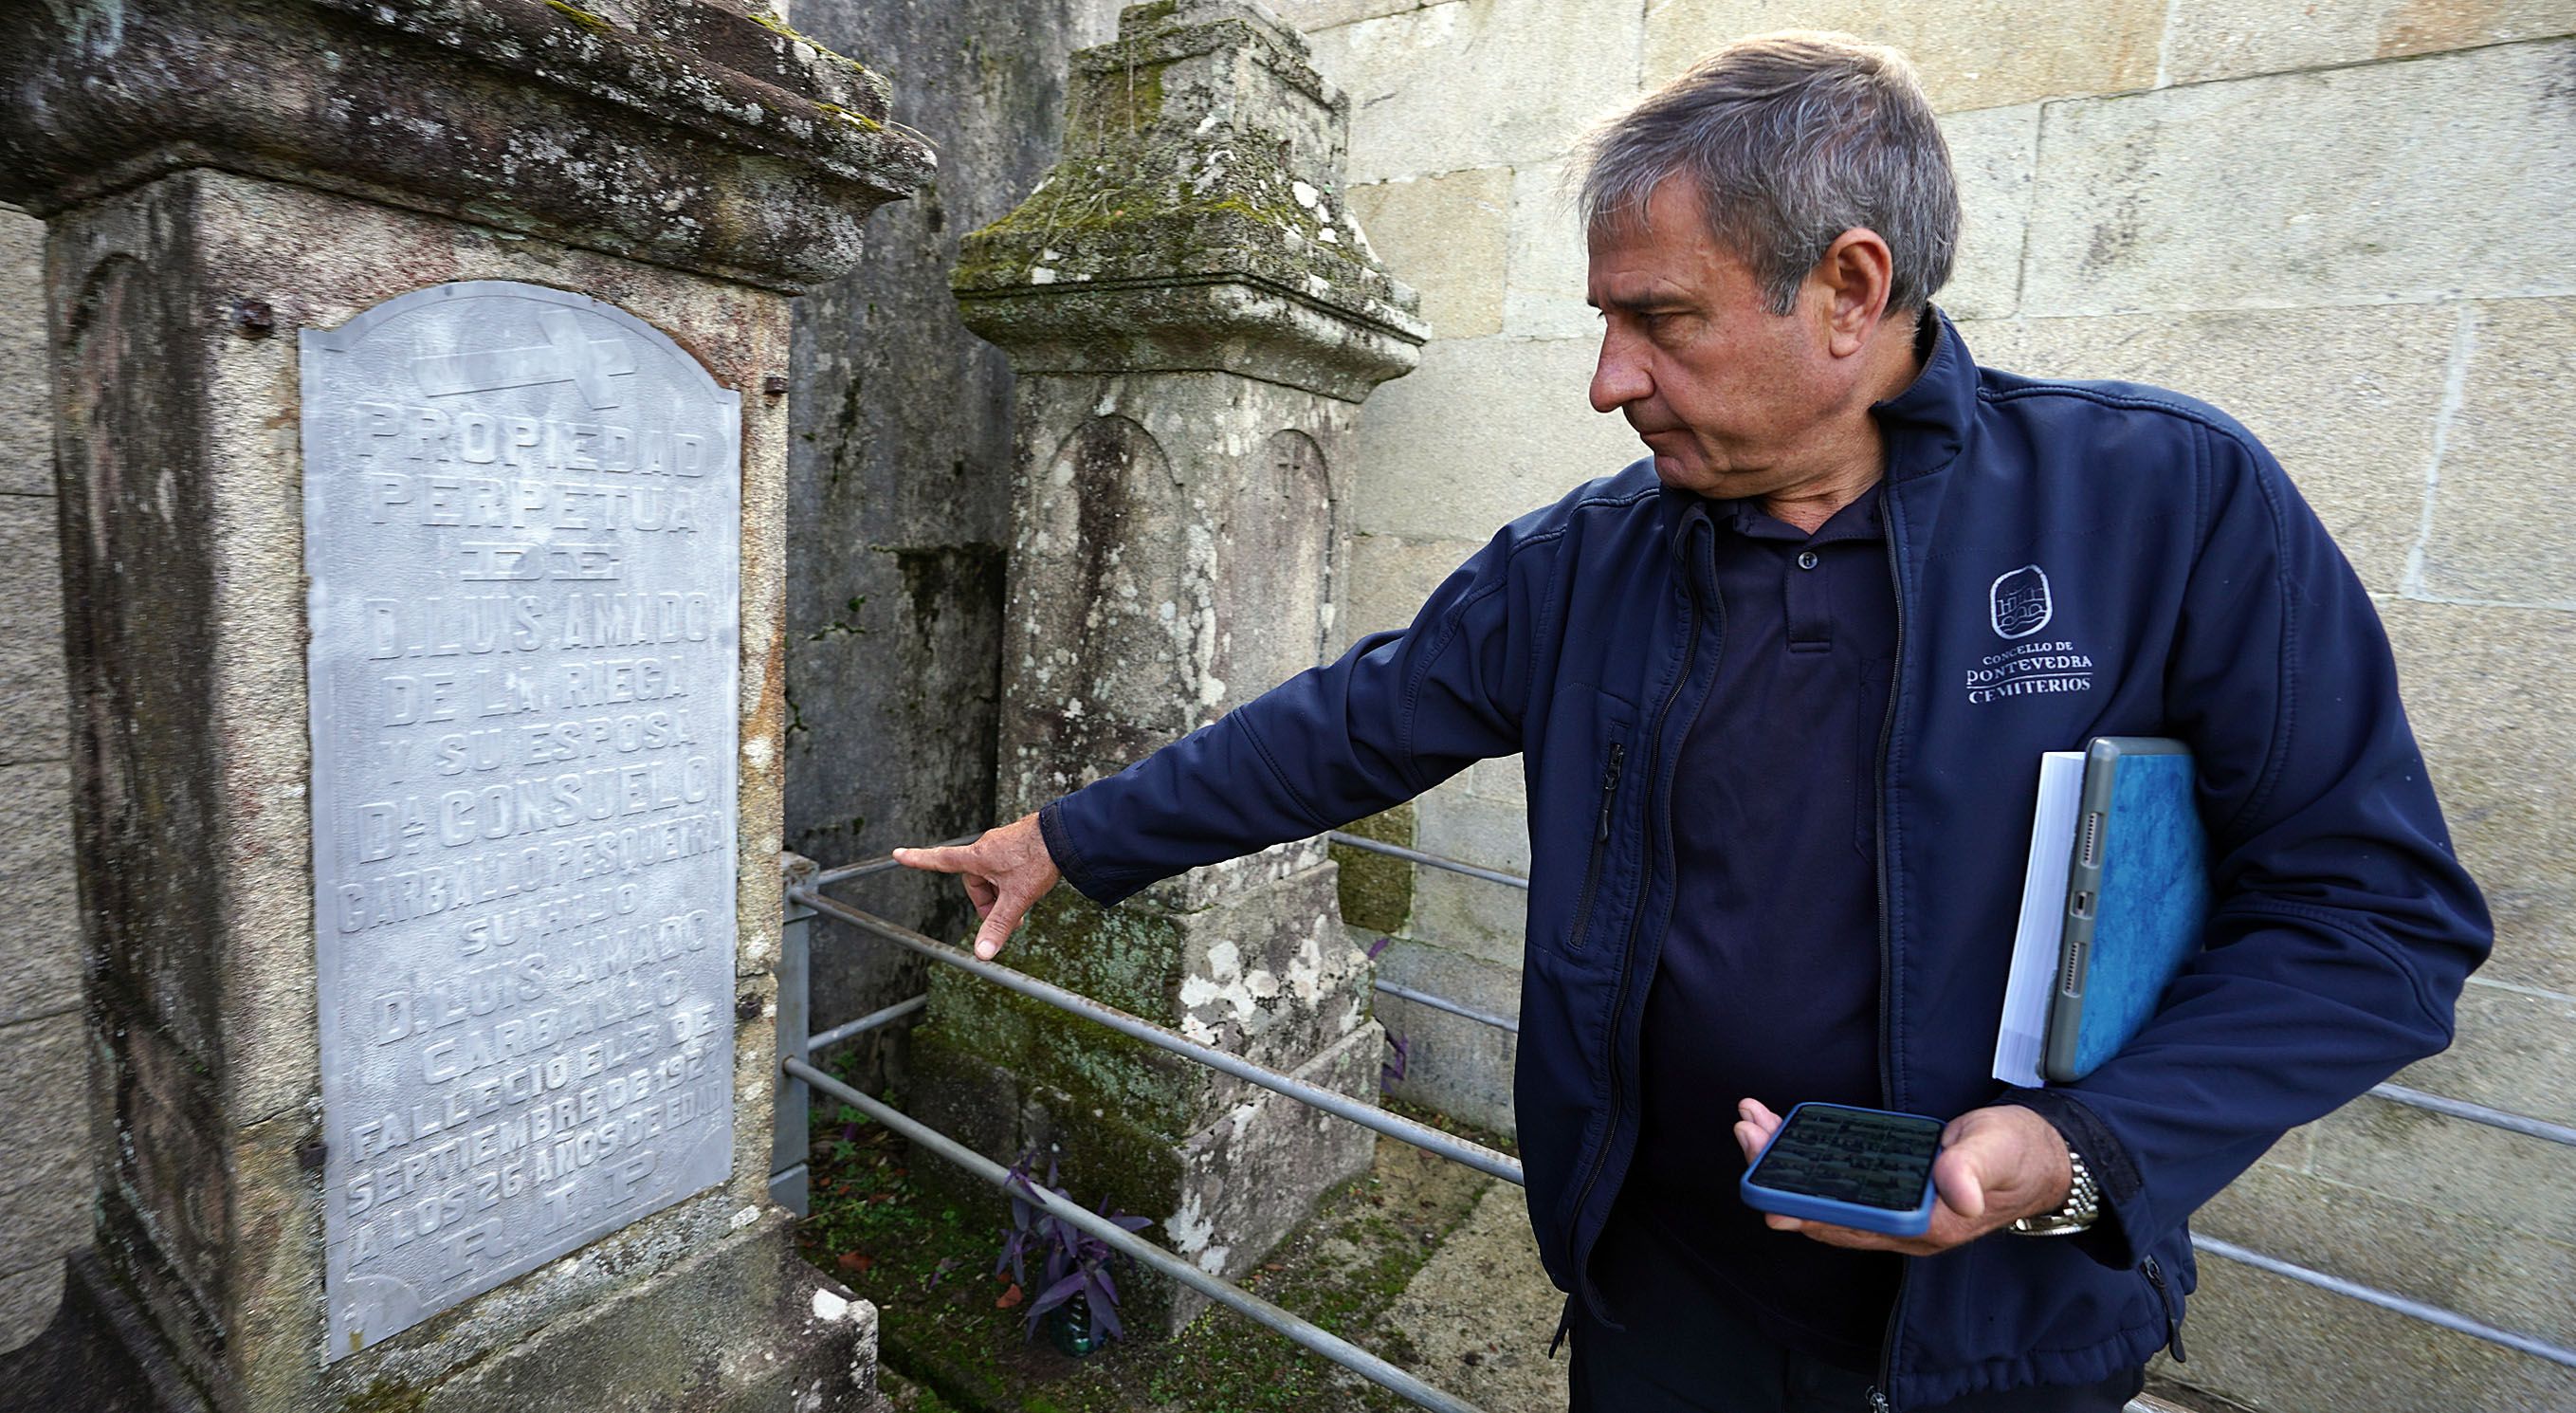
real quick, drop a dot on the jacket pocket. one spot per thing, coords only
(1614, 767)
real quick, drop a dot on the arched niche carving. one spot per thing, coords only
(1275, 566)
(1106, 614)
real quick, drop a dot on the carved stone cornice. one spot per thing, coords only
(672, 131)
(1195, 221)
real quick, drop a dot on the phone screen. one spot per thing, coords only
(1860, 1156)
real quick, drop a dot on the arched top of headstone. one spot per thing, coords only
(566, 348)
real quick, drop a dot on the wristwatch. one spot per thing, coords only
(2083, 1203)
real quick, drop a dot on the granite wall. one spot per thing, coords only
(2350, 225)
(899, 483)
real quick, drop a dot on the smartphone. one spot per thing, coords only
(1864, 1168)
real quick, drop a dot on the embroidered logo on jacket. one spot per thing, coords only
(2020, 602)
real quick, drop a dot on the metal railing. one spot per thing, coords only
(799, 1078)
(2412, 1309)
(789, 1174)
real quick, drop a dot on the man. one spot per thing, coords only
(1780, 692)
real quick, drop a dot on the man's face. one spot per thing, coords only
(1727, 395)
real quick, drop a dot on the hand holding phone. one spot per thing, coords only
(1863, 1168)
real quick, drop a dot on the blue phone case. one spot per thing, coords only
(1891, 1221)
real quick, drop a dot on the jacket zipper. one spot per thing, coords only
(1619, 996)
(2155, 1273)
(1600, 845)
(1878, 1396)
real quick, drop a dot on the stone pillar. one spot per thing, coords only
(1195, 318)
(549, 253)
(44, 1173)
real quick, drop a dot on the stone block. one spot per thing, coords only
(1452, 1064)
(1481, 1312)
(1424, 91)
(28, 1300)
(1444, 235)
(2217, 39)
(2501, 521)
(1500, 780)
(45, 1178)
(1972, 53)
(1485, 430)
(1994, 151)
(26, 413)
(34, 712)
(743, 1326)
(1471, 915)
(2264, 1341)
(2348, 399)
(1222, 1192)
(2519, 1276)
(1269, 975)
(1457, 824)
(1312, 15)
(1253, 1174)
(1543, 281)
(1376, 890)
(2487, 690)
(2447, 1164)
(2516, 1051)
(2420, 180)
(40, 953)
(1392, 577)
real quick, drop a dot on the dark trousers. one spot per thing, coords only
(1685, 1351)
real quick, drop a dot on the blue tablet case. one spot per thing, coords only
(2137, 899)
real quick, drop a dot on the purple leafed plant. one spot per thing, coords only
(1399, 1048)
(1378, 946)
(1072, 1262)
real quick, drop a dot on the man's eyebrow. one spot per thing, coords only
(1658, 302)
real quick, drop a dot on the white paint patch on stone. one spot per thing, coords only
(1305, 194)
(744, 1218)
(828, 1306)
(1041, 275)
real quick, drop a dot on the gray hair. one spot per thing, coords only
(1792, 139)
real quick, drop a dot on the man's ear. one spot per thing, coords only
(1855, 277)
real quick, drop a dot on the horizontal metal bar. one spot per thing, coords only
(1398, 851)
(1367, 1115)
(2477, 1113)
(1443, 1003)
(1224, 1292)
(2394, 1093)
(865, 1023)
(883, 864)
(2398, 1304)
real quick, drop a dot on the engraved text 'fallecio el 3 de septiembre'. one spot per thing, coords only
(522, 528)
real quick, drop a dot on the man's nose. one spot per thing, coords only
(1620, 377)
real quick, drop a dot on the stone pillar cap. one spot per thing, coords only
(672, 131)
(1196, 219)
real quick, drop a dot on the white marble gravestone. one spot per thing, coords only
(523, 536)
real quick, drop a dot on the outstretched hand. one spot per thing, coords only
(1997, 1166)
(1006, 871)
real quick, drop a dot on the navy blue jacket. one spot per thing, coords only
(2071, 560)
